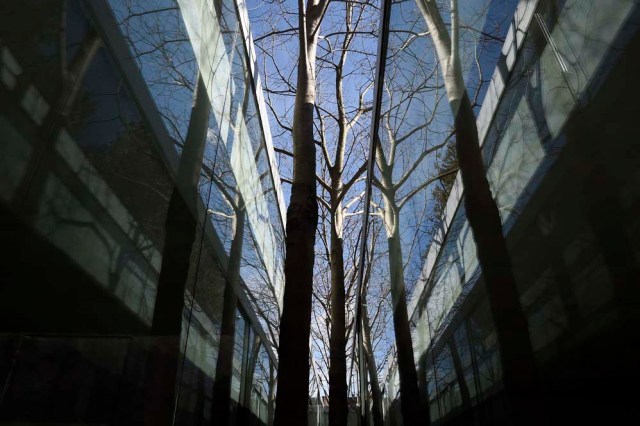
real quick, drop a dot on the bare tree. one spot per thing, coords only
(337, 189)
(390, 212)
(368, 332)
(344, 70)
(302, 220)
(181, 223)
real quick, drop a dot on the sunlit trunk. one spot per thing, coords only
(338, 409)
(302, 220)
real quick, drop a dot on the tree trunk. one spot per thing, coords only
(410, 404)
(302, 220)
(295, 326)
(180, 227)
(338, 408)
(376, 394)
(221, 403)
(272, 395)
(181, 222)
(512, 329)
(224, 366)
(462, 382)
(412, 408)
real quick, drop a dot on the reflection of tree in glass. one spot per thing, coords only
(394, 199)
(516, 354)
(131, 164)
(54, 56)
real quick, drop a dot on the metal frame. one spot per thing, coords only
(383, 41)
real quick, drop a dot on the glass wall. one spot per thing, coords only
(129, 200)
(416, 138)
(558, 148)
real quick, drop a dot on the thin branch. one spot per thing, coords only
(283, 151)
(426, 183)
(424, 153)
(275, 32)
(351, 181)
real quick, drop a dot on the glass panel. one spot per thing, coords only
(261, 385)
(415, 138)
(561, 240)
(449, 392)
(462, 344)
(238, 358)
(89, 205)
(483, 340)
(432, 391)
(84, 173)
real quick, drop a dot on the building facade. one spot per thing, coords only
(129, 203)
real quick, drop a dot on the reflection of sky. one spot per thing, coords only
(235, 134)
(220, 53)
(496, 22)
(166, 59)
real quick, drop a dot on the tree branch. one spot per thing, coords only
(426, 183)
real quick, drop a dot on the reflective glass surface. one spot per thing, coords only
(556, 141)
(121, 227)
